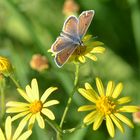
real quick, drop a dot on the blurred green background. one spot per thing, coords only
(28, 27)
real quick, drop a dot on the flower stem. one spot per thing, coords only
(15, 81)
(70, 99)
(2, 101)
(75, 128)
(2, 96)
(54, 125)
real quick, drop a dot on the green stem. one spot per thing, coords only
(15, 81)
(2, 102)
(69, 100)
(75, 128)
(54, 125)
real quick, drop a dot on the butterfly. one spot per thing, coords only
(71, 36)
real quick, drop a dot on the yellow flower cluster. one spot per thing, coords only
(106, 106)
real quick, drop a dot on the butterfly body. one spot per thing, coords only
(71, 36)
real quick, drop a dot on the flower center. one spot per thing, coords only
(80, 50)
(105, 105)
(36, 106)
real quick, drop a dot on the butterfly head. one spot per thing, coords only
(81, 43)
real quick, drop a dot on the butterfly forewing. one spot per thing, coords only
(62, 57)
(84, 21)
(70, 27)
(61, 43)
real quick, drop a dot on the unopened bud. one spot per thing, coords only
(5, 66)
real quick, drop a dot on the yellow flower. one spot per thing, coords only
(5, 66)
(89, 50)
(106, 106)
(17, 135)
(34, 107)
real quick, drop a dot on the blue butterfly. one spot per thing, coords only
(71, 36)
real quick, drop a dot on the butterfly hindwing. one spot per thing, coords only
(64, 55)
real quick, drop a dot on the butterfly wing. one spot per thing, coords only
(62, 57)
(70, 27)
(61, 43)
(85, 19)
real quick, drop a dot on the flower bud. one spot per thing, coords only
(39, 62)
(5, 66)
(70, 7)
(136, 117)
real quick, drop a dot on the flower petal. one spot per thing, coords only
(48, 113)
(30, 93)
(117, 123)
(16, 109)
(124, 100)
(26, 118)
(91, 90)
(25, 135)
(2, 135)
(19, 115)
(88, 86)
(109, 89)
(91, 56)
(24, 95)
(86, 38)
(47, 93)
(82, 59)
(85, 93)
(100, 86)
(98, 121)
(124, 119)
(40, 120)
(98, 50)
(31, 121)
(86, 107)
(110, 126)
(35, 90)
(19, 129)
(8, 128)
(50, 103)
(97, 43)
(117, 90)
(128, 108)
(90, 117)
(17, 104)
